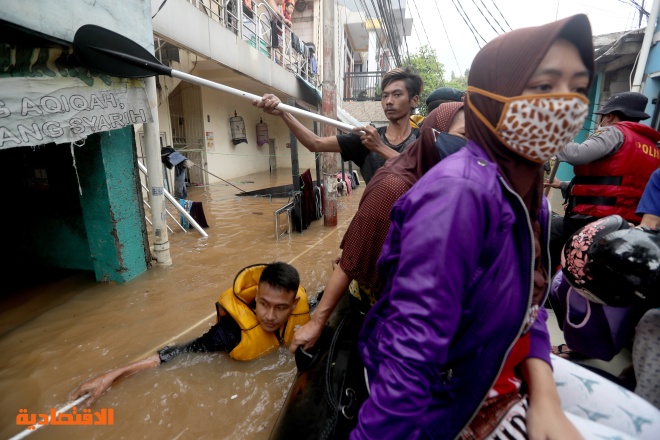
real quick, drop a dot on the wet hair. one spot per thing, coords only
(414, 82)
(281, 275)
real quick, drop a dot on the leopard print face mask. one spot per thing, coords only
(536, 127)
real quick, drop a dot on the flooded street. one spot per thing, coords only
(59, 334)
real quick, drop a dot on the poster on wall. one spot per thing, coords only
(49, 97)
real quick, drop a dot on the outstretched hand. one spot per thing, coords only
(269, 103)
(95, 387)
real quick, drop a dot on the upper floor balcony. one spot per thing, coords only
(231, 43)
(362, 86)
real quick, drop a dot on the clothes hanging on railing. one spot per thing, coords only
(197, 213)
(356, 178)
(176, 160)
(274, 34)
(313, 64)
(308, 208)
(187, 205)
(297, 44)
(347, 179)
(318, 202)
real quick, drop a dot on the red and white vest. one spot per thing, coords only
(615, 183)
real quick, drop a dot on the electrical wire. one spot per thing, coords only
(498, 10)
(428, 41)
(492, 16)
(468, 25)
(448, 40)
(484, 16)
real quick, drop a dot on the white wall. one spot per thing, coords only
(228, 160)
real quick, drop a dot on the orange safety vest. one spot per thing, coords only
(255, 341)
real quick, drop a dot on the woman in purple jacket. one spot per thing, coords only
(457, 346)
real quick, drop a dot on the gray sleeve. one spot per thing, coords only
(600, 144)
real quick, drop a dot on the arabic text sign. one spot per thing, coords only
(48, 98)
(103, 417)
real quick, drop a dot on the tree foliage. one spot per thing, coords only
(425, 62)
(458, 81)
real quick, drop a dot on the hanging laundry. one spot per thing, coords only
(314, 66)
(197, 213)
(347, 180)
(187, 205)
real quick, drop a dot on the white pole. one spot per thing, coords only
(155, 178)
(646, 47)
(284, 107)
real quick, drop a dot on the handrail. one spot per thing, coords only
(166, 210)
(179, 208)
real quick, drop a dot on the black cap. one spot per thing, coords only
(446, 94)
(631, 104)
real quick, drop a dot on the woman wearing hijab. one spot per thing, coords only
(457, 346)
(442, 135)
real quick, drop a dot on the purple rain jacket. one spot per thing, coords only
(458, 264)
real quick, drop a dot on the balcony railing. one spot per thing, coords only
(252, 22)
(362, 86)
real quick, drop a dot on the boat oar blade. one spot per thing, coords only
(111, 53)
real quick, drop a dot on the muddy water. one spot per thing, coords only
(57, 335)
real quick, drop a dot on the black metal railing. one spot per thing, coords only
(362, 86)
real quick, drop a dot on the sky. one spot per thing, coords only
(606, 16)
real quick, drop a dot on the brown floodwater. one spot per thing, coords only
(59, 334)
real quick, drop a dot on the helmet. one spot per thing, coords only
(610, 263)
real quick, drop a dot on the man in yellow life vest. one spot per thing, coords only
(259, 313)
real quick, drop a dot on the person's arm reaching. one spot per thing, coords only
(99, 384)
(559, 184)
(223, 336)
(308, 138)
(545, 418)
(308, 334)
(600, 144)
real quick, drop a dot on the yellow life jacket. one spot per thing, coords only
(255, 341)
(415, 120)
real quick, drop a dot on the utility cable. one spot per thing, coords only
(468, 25)
(492, 16)
(485, 18)
(448, 40)
(435, 58)
(502, 15)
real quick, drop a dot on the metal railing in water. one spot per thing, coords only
(253, 21)
(176, 205)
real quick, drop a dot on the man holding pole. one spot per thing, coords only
(370, 149)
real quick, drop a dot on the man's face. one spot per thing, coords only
(396, 102)
(274, 306)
